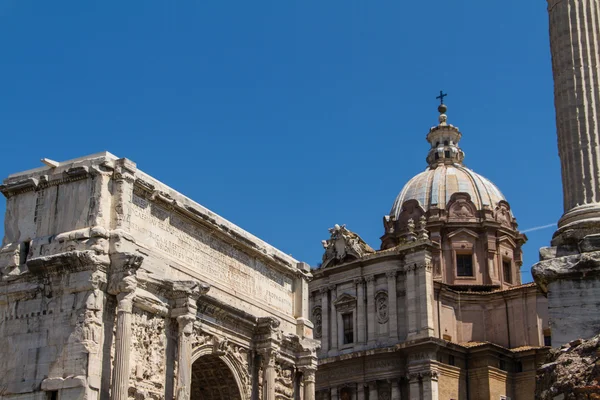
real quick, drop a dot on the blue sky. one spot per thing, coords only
(286, 117)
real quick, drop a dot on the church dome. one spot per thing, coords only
(446, 174)
(435, 186)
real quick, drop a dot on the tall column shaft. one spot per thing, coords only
(392, 309)
(371, 308)
(324, 320)
(333, 320)
(361, 323)
(334, 394)
(309, 384)
(574, 43)
(270, 358)
(120, 380)
(184, 360)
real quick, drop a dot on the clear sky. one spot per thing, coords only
(286, 117)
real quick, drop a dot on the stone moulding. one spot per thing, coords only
(209, 220)
(579, 266)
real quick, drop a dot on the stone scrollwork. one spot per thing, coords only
(342, 246)
(381, 302)
(318, 321)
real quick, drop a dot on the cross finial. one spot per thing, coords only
(441, 97)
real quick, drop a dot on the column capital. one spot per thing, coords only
(270, 356)
(391, 274)
(308, 373)
(324, 289)
(370, 278)
(332, 287)
(359, 280)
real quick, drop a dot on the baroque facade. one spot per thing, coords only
(439, 312)
(115, 286)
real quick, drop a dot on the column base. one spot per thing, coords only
(576, 224)
(572, 285)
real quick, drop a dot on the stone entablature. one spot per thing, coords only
(113, 285)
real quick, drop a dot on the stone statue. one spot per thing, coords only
(343, 245)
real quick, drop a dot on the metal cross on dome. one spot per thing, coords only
(441, 97)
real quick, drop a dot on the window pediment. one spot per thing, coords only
(463, 232)
(345, 302)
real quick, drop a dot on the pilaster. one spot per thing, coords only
(371, 312)
(361, 323)
(392, 309)
(373, 395)
(333, 320)
(324, 291)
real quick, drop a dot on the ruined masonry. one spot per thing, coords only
(115, 286)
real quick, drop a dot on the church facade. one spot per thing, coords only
(115, 286)
(439, 312)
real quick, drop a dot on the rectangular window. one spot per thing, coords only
(464, 265)
(348, 328)
(53, 395)
(507, 267)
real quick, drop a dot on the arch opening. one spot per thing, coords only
(213, 380)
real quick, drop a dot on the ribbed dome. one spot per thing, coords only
(435, 186)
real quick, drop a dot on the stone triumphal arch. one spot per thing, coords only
(115, 286)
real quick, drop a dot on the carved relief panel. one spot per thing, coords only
(381, 302)
(317, 319)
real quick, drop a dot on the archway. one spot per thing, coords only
(213, 380)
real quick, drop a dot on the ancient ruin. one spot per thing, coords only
(115, 286)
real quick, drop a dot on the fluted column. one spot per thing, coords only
(371, 309)
(269, 373)
(324, 319)
(121, 369)
(392, 309)
(333, 320)
(575, 47)
(186, 295)
(361, 322)
(123, 283)
(308, 375)
(184, 356)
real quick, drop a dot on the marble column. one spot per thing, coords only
(392, 307)
(373, 390)
(324, 319)
(361, 318)
(371, 311)
(360, 392)
(309, 383)
(184, 356)
(125, 283)
(269, 373)
(575, 52)
(333, 320)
